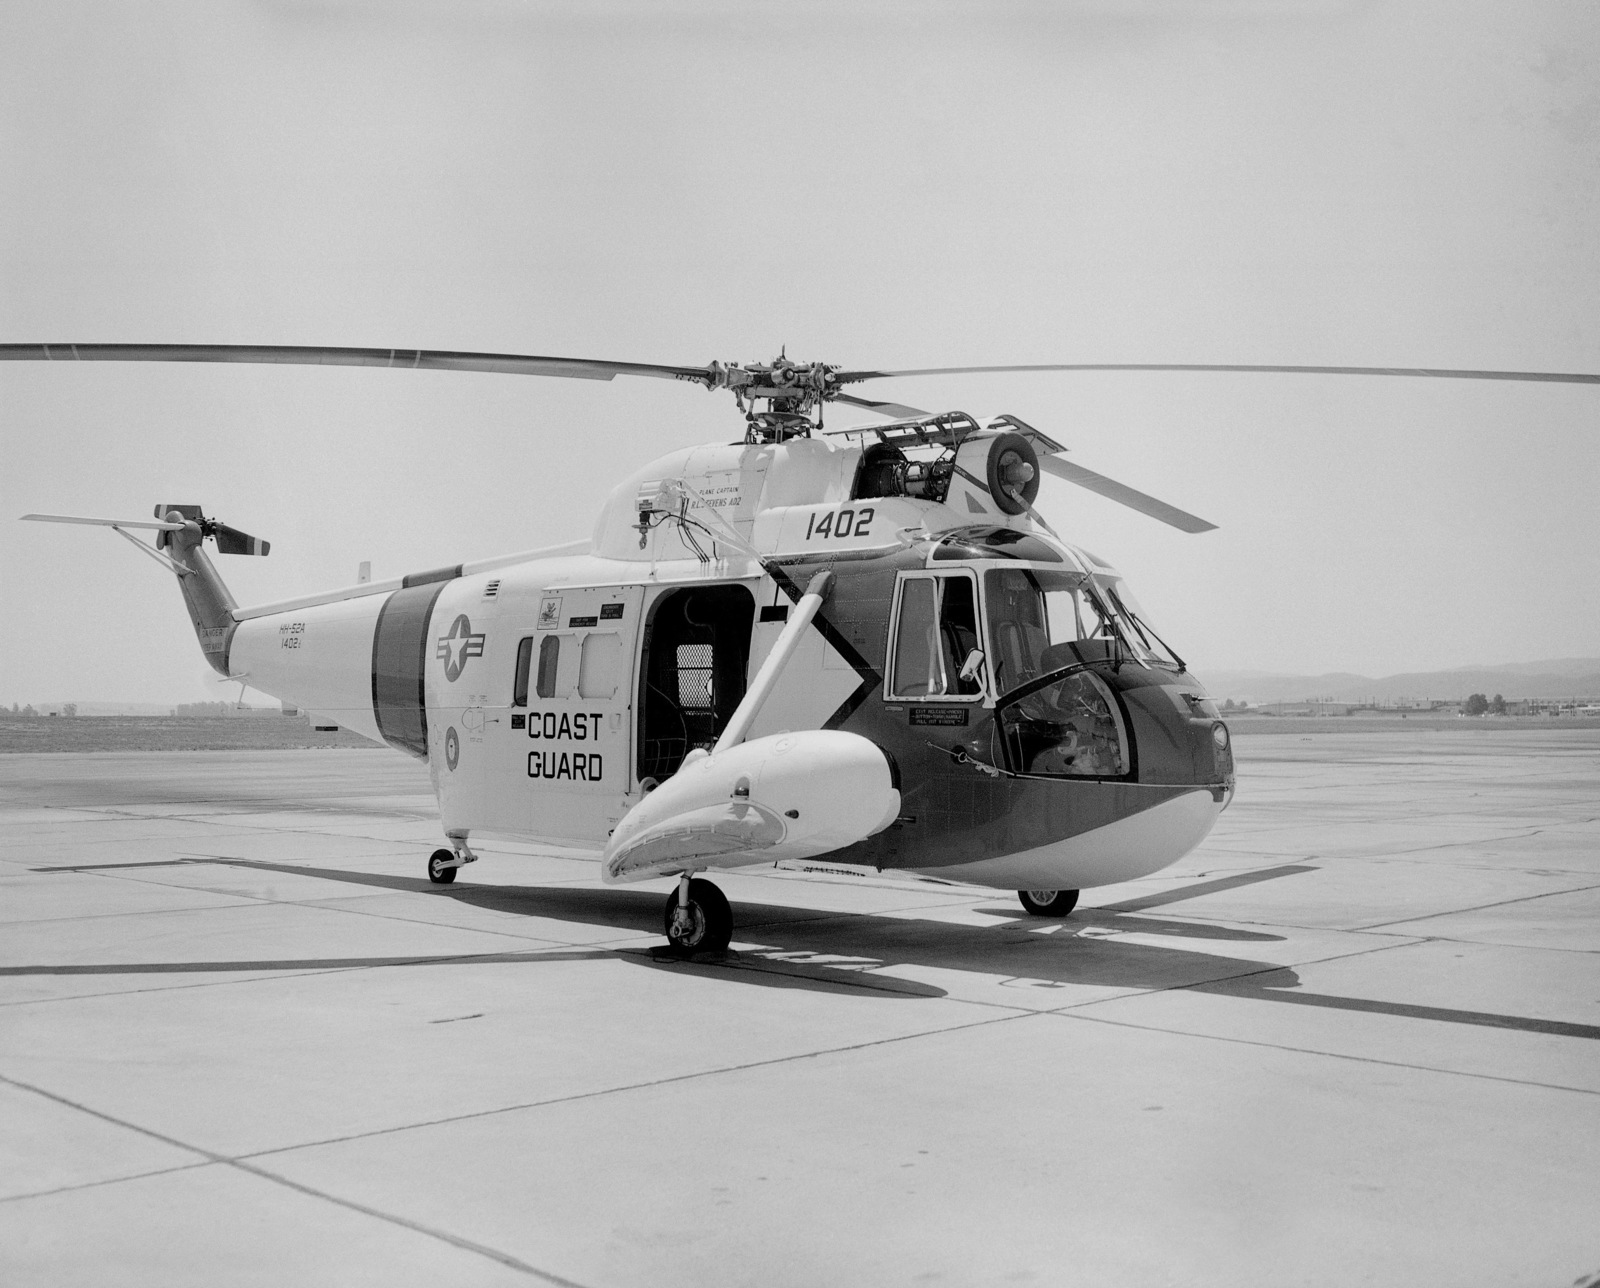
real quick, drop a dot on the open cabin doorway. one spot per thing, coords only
(696, 653)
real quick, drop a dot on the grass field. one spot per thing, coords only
(42, 734)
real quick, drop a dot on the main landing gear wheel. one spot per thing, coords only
(1048, 903)
(703, 925)
(442, 867)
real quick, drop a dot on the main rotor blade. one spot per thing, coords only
(1442, 373)
(899, 411)
(104, 523)
(1123, 494)
(318, 355)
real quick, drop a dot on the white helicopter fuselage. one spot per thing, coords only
(535, 686)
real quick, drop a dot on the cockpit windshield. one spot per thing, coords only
(1041, 620)
(1136, 630)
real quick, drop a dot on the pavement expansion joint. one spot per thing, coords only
(243, 1164)
(1324, 1053)
(648, 1084)
(1479, 907)
(103, 1182)
(434, 1232)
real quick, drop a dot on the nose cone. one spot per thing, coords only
(1143, 841)
(1178, 735)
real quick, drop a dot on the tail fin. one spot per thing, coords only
(210, 604)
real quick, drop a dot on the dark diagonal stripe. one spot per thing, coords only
(1254, 991)
(1206, 887)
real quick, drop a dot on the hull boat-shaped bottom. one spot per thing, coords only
(1131, 847)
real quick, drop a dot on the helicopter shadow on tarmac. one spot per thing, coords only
(828, 951)
(851, 952)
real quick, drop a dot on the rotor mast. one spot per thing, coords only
(781, 399)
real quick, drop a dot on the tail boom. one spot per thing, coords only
(210, 605)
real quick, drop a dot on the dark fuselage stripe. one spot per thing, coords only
(870, 679)
(399, 666)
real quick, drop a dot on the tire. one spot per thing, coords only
(439, 874)
(1048, 903)
(710, 921)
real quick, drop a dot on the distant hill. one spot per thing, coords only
(1559, 678)
(1558, 666)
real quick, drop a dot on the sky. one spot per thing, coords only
(873, 185)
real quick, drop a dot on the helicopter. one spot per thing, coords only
(856, 649)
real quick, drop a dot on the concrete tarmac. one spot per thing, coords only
(1355, 1038)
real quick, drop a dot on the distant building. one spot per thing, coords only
(1330, 707)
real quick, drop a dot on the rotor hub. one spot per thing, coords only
(780, 399)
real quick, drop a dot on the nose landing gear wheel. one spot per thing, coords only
(442, 867)
(1048, 903)
(703, 925)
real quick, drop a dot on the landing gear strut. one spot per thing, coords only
(442, 864)
(698, 919)
(1048, 903)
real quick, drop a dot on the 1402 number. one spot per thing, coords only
(844, 523)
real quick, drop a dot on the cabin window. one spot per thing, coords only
(519, 686)
(599, 662)
(936, 631)
(549, 660)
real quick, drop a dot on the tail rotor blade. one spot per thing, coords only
(1123, 494)
(230, 541)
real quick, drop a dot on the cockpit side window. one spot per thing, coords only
(936, 631)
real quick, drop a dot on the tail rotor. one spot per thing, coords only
(229, 541)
